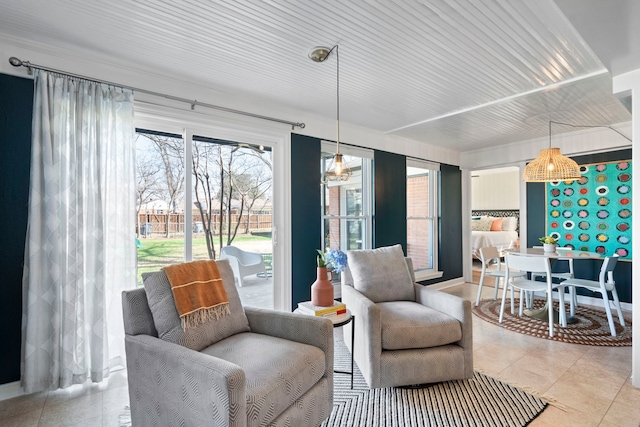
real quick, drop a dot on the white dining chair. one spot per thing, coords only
(488, 255)
(531, 263)
(603, 285)
(564, 275)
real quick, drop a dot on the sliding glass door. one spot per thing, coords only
(198, 195)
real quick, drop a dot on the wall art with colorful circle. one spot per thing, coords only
(593, 213)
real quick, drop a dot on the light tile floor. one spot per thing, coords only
(589, 385)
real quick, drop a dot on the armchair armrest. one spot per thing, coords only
(315, 331)
(368, 325)
(159, 372)
(252, 258)
(456, 307)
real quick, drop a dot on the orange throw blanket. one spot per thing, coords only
(198, 292)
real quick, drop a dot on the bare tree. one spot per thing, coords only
(204, 191)
(146, 185)
(248, 181)
(171, 152)
(251, 188)
(232, 177)
(258, 187)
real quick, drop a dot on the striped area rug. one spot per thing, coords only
(481, 401)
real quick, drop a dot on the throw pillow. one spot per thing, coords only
(167, 321)
(510, 223)
(481, 225)
(381, 274)
(496, 225)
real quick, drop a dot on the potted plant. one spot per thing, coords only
(549, 243)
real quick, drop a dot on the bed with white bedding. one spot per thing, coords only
(499, 239)
(494, 228)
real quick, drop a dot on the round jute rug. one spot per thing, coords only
(591, 328)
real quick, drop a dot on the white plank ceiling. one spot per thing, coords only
(459, 74)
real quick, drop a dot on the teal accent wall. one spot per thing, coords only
(306, 217)
(16, 109)
(584, 269)
(390, 200)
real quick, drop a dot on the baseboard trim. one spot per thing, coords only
(11, 390)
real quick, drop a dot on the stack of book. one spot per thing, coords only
(336, 309)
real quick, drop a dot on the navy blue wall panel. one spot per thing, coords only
(16, 105)
(306, 231)
(390, 200)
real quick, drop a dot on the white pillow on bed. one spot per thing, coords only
(509, 223)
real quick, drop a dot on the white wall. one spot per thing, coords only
(625, 83)
(499, 189)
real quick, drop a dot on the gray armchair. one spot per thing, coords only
(255, 367)
(406, 334)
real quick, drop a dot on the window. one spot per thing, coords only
(346, 206)
(422, 237)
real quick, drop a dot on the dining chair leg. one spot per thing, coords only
(523, 296)
(512, 304)
(616, 301)
(529, 295)
(480, 285)
(607, 308)
(573, 301)
(561, 308)
(504, 300)
(495, 290)
(550, 309)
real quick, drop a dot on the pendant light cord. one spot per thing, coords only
(586, 126)
(337, 96)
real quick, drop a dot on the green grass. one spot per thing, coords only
(159, 252)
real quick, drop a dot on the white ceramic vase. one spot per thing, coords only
(549, 247)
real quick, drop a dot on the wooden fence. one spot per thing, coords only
(155, 225)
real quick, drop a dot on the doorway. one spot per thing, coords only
(495, 193)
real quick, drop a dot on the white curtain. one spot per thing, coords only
(80, 250)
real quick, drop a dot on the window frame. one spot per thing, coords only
(433, 196)
(366, 189)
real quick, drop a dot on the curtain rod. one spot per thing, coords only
(19, 63)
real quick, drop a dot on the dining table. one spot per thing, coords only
(559, 254)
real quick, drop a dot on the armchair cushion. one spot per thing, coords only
(167, 321)
(381, 274)
(407, 324)
(278, 371)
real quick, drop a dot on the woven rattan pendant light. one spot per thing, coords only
(551, 166)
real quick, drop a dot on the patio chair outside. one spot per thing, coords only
(243, 263)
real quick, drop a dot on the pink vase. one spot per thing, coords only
(322, 289)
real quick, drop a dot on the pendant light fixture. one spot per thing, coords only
(337, 169)
(551, 166)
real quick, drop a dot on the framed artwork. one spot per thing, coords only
(593, 213)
